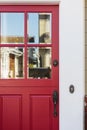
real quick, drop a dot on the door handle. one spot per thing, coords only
(55, 101)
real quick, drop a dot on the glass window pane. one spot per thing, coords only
(33, 34)
(11, 62)
(39, 27)
(44, 28)
(39, 62)
(12, 28)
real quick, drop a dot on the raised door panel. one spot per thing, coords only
(10, 112)
(41, 112)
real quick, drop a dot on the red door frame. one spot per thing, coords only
(41, 86)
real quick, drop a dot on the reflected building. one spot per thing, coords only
(44, 28)
(12, 61)
(45, 37)
(40, 57)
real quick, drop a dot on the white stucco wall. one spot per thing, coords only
(71, 61)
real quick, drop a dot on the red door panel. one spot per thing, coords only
(12, 112)
(40, 112)
(10, 107)
(29, 94)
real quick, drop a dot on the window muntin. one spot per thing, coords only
(39, 29)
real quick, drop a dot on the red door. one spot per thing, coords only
(29, 91)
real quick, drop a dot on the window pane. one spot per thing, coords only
(12, 28)
(33, 34)
(44, 28)
(11, 62)
(39, 62)
(39, 27)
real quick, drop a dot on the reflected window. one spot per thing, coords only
(39, 62)
(39, 27)
(12, 28)
(11, 62)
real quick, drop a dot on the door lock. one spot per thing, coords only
(55, 63)
(55, 101)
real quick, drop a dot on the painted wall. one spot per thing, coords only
(72, 70)
(86, 47)
(71, 61)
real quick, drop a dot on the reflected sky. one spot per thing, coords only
(33, 28)
(12, 24)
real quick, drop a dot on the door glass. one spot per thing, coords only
(39, 28)
(11, 62)
(33, 34)
(39, 62)
(12, 28)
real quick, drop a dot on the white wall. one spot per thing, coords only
(86, 47)
(71, 62)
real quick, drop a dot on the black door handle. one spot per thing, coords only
(55, 101)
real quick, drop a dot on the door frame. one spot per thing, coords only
(51, 84)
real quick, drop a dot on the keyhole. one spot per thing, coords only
(55, 63)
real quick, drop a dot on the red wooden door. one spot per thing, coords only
(29, 100)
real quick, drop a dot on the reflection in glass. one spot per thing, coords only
(33, 28)
(11, 62)
(44, 28)
(39, 27)
(12, 28)
(39, 62)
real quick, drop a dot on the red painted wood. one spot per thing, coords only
(40, 113)
(1, 114)
(27, 8)
(26, 104)
(85, 112)
(23, 45)
(25, 42)
(12, 114)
